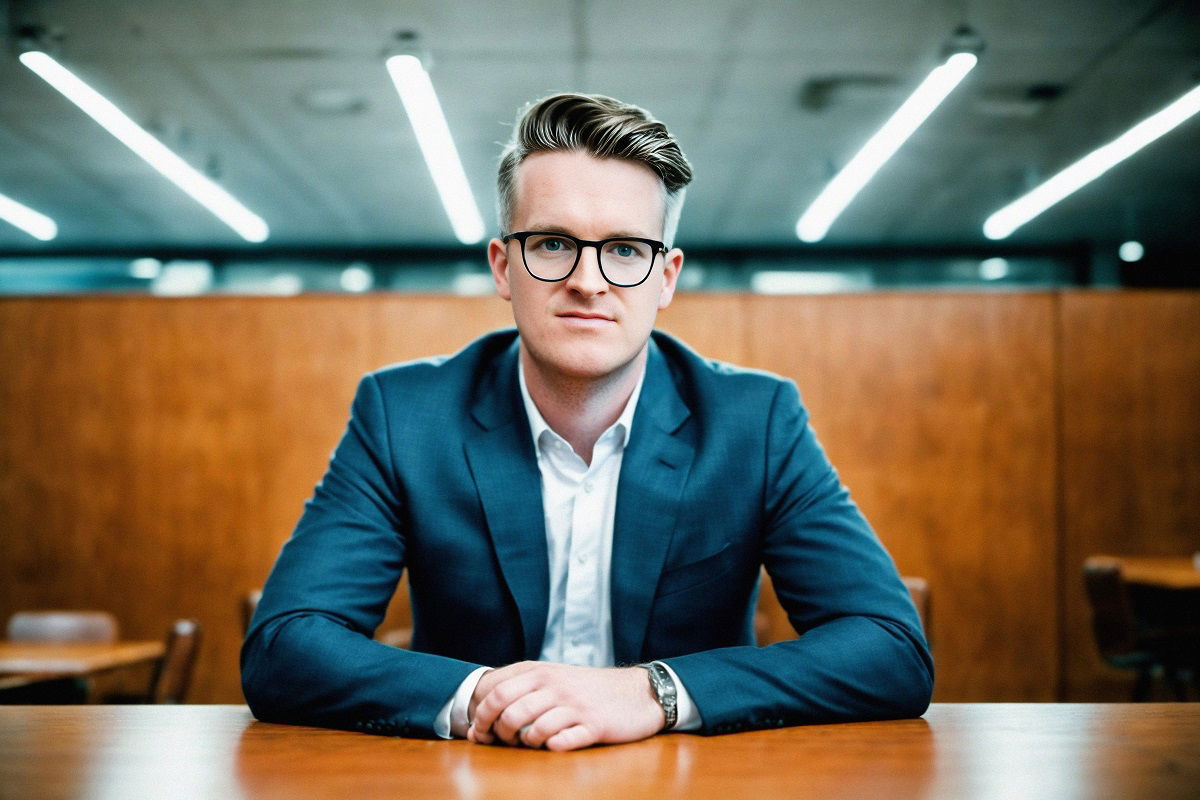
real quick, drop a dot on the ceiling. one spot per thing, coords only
(288, 104)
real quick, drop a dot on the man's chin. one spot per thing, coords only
(580, 365)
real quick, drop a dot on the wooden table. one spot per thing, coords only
(1163, 573)
(22, 663)
(957, 751)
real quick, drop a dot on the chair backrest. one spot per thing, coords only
(249, 606)
(918, 590)
(768, 619)
(1112, 613)
(173, 674)
(396, 637)
(62, 626)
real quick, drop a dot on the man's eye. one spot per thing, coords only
(626, 250)
(551, 245)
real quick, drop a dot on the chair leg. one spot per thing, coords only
(1141, 687)
(1178, 682)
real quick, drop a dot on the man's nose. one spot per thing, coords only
(587, 279)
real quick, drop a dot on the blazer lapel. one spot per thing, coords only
(504, 465)
(654, 470)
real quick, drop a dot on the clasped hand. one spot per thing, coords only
(563, 707)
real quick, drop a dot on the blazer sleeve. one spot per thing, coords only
(308, 657)
(860, 653)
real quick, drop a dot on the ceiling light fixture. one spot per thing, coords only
(437, 146)
(37, 225)
(203, 190)
(1087, 169)
(815, 222)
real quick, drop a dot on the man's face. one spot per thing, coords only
(583, 327)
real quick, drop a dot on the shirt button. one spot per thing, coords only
(588, 486)
(581, 558)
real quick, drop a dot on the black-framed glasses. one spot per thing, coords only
(552, 256)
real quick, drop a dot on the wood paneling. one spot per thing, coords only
(156, 453)
(938, 411)
(1131, 449)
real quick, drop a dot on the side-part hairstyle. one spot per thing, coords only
(604, 128)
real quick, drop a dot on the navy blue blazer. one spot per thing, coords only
(437, 474)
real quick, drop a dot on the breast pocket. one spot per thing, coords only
(696, 573)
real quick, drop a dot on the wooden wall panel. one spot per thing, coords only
(1131, 449)
(938, 411)
(155, 454)
(714, 325)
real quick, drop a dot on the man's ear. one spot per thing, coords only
(498, 261)
(671, 268)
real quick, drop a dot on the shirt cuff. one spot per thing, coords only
(451, 722)
(687, 715)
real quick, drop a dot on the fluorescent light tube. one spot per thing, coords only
(248, 225)
(1001, 224)
(817, 219)
(39, 226)
(437, 146)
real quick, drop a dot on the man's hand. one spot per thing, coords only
(563, 707)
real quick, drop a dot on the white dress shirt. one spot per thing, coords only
(579, 501)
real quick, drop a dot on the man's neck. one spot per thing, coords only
(581, 409)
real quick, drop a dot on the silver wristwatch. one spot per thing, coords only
(663, 687)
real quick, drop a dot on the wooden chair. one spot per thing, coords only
(172, 674)
(393, 637)
(918, 590)
(1129, 638)
(249, 606)
(62, 626)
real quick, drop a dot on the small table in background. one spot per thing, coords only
(1178, 572)
(23, 663)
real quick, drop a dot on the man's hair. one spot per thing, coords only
(602, 127)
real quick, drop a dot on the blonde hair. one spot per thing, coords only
(604, 128)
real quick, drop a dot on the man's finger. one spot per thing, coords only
(501, 696)
(573, 738)
(548, 724)
(520, 714)
(492, 677)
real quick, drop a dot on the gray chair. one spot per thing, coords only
(62, 626)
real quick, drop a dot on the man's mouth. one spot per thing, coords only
(585, 315)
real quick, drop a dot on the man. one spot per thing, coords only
(583, 504)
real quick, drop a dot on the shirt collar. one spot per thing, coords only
(538, 425)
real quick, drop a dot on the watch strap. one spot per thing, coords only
(663, 687)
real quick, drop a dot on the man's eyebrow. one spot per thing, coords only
(549, 228)
(619, 234)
